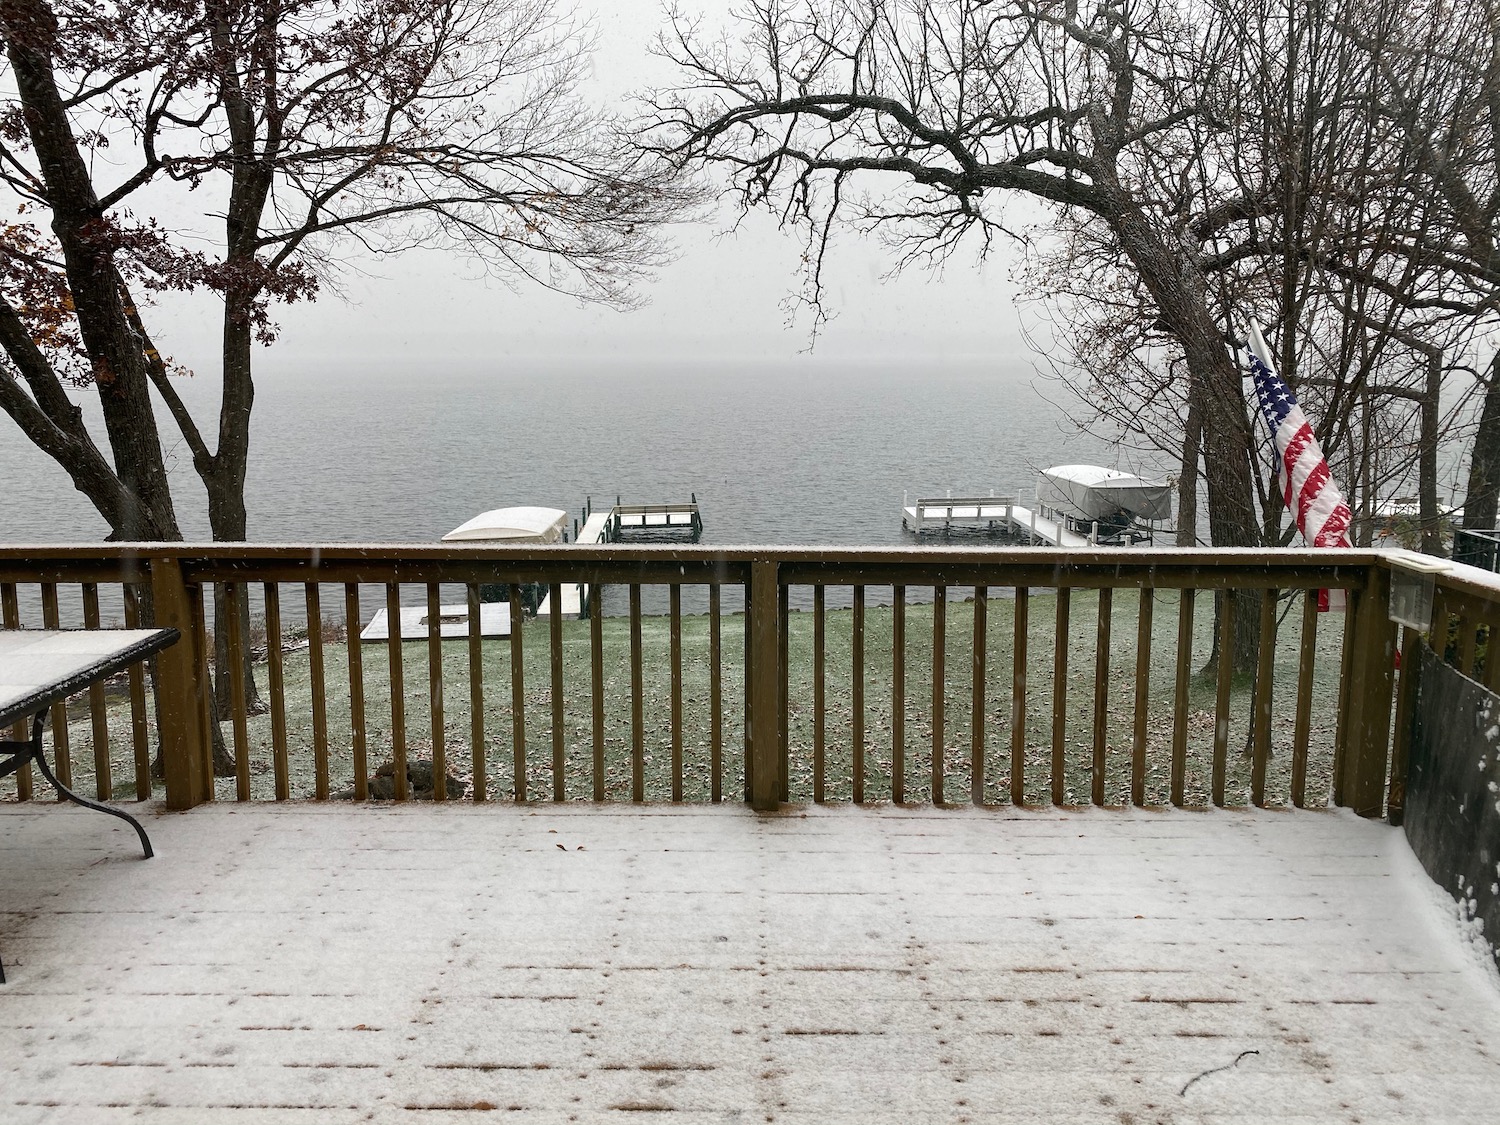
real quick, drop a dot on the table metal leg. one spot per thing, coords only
(32, 751)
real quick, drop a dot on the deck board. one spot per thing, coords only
(341, 964)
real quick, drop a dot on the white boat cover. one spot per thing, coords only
(1089, 492)
(514, 525)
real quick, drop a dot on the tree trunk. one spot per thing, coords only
(1187, 482)
(118, 362)
(1427, 458)
(1181, 295)
(1482, 495)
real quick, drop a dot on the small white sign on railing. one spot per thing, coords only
(1412, 588)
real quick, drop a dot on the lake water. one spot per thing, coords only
(798, 452)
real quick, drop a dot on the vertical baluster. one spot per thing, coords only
(898, 695)
(675, 595)
(783, 680)
(62, 755)
(1346, 688)
(435, 709)
(1437, 637)
(939, 675)
(10, 607)
(637, 701)
(1142, 697)
(398, 686)
(477, 758)
(559, 734)
(1265, 670)
(857, 691)
(98, 716)
(235, 655)
(1101, 694)
(1180, 697)
(976, 724)
(518, 693)
(1060, 698)
(1406, 699)
(1468, 643)
(1222, 697)
(819, 697)
(356, 692)
(312, 597)
(715, 695)
(1491, 655)
(596, 658)
(748, 703)
(275, 675)
(140, 735)
(1302, 725)
(207, 717)
(1018, 697)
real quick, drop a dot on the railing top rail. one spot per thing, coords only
(964, 501)
(1203, 567)
(1284, 557)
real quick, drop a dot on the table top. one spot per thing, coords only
(39, 667)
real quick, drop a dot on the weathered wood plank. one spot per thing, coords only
(976, 710)
(235, 657)
(316, 674)
(478, 758)
(1100, 765)
(435, 690)
(1143, 632)
(559, 734)
(1180, 696)
(857, 695)
(1060, 698)
(939, 666)
(275, 675)
(521, 788)
(398, 689)
(356, 692)
(820, 696)
(1307, 653)
(98, 716)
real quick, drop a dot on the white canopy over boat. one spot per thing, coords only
(513, 525)
(1089, 492)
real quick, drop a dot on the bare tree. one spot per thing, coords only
(310, 127)
(1299, 189)
(938, 110)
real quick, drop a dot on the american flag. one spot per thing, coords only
(1307, 485)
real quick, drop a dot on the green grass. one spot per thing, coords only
(957, 696)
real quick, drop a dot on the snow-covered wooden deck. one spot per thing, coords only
(319, 964)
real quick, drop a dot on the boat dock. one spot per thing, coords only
(627, 523)
(940, 515)
(641, 523)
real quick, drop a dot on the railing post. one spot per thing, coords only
(179, 703)
(765, 685)
(1372, 674)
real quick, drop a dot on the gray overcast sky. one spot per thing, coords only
(723, 296)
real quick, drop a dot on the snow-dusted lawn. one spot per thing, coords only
(305, 964)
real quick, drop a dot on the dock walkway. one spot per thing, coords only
(622, 523)
(936, 515)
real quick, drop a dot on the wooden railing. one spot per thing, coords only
(949, 675)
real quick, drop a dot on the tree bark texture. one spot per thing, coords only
(1482, 494)
(116, 356)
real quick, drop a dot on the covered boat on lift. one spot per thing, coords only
(1105, 503)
